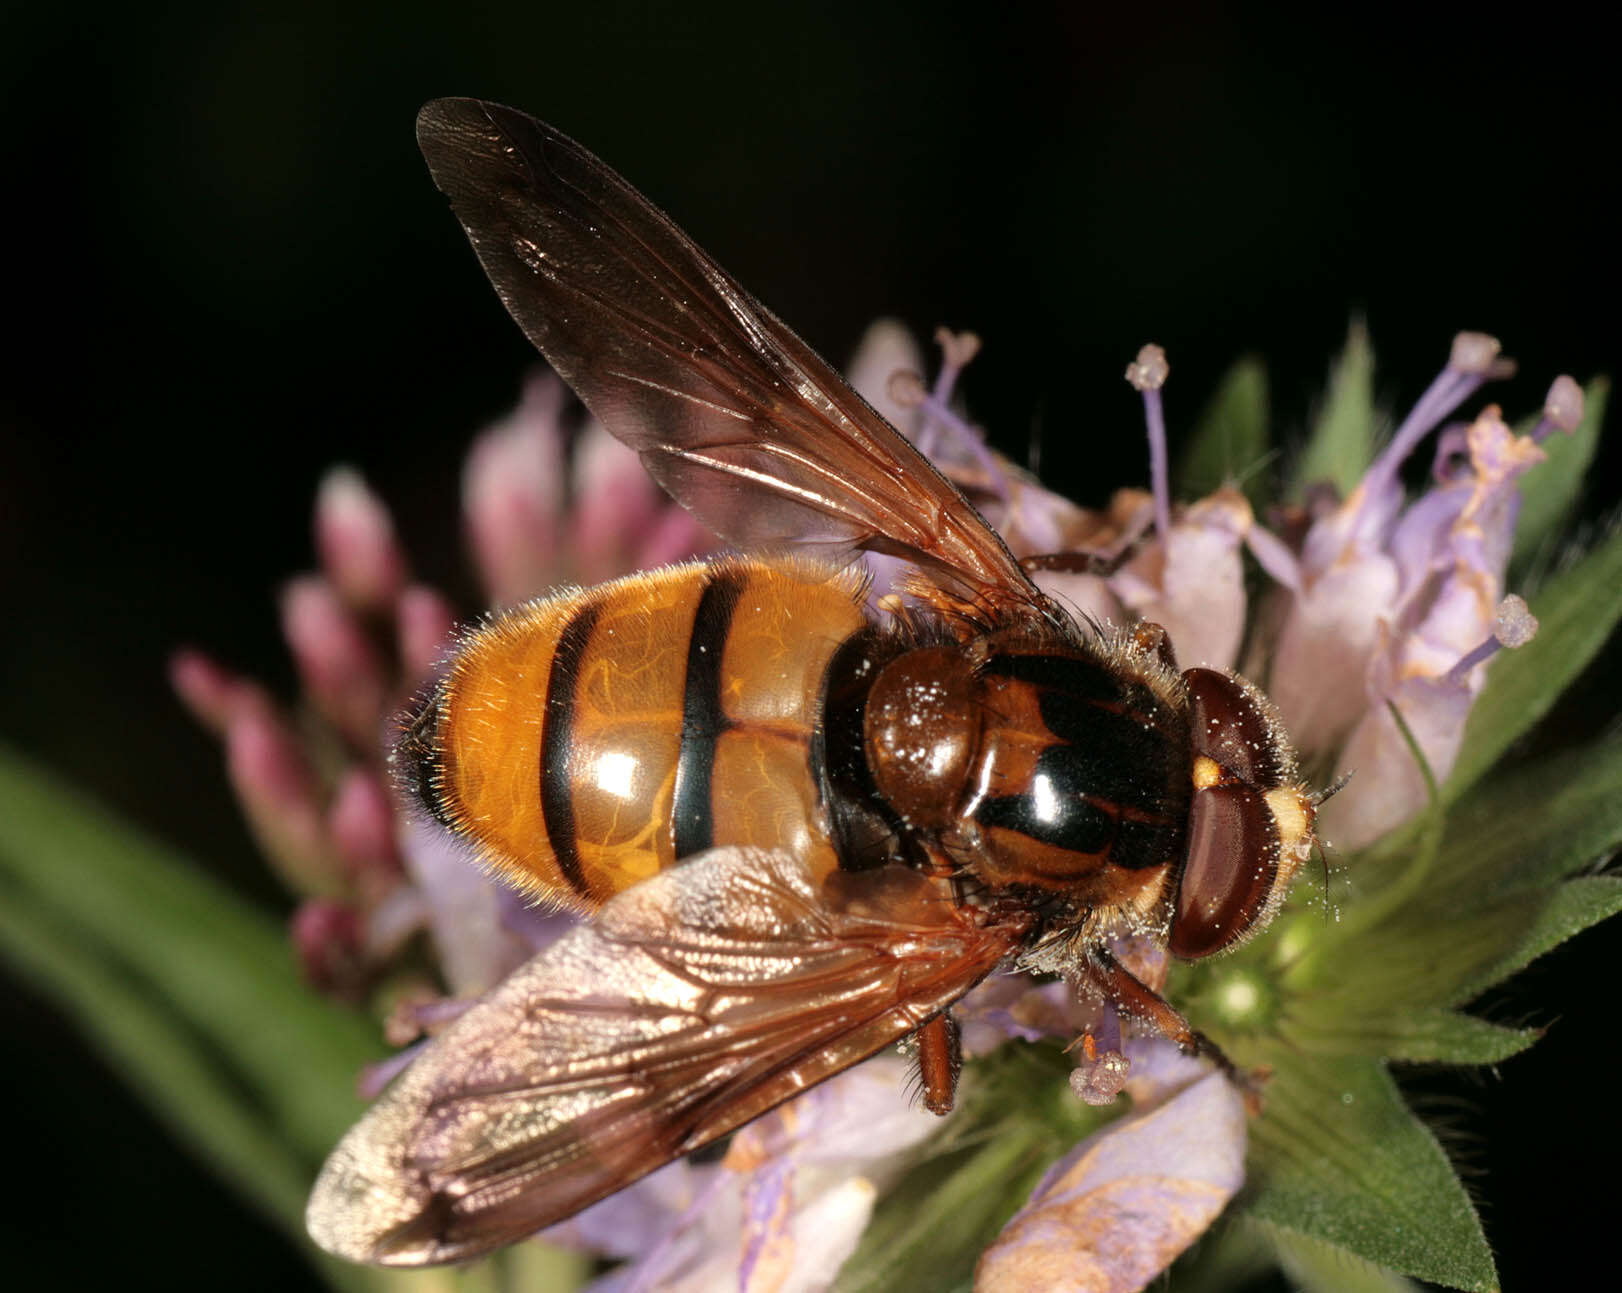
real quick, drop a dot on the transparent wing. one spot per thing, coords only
(732, 413)
(694, 1002)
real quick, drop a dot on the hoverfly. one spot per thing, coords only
(802, 829)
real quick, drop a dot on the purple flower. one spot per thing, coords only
(1354, 570)
(1115, 1211)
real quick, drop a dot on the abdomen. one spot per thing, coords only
(586, 741)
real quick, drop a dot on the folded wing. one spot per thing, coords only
(694, 1002)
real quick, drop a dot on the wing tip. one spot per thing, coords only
(437, 113)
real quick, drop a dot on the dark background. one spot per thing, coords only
(226, 269)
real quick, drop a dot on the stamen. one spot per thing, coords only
(1512, 627)
(1562, 409)
(957, 349)
(1473, 361)
(1108, 1031)
(1147, 374)
(907, 389)
(1478, 354)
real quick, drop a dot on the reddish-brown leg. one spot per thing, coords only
(939, 1060)
(1132, 997)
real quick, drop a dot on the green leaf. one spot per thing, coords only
(933, 1225)
(1550, 491)
(191, 994)
(1577, 611)
(1422, 956)
(1439, 956)
(1315, 1267)
(193, 997)
(1447, 1037)
(1533, 825)
(1233, 1254)
(157, 1055)
(1565, 913)
(1342, 442)
(1338, 1158)
(1230, 441)
(1424, 1036)
(223, 967)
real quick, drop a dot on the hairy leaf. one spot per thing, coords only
(1340, 1159)
(1577, 611)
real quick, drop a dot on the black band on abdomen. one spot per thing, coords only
(703, 719)
(557, 741)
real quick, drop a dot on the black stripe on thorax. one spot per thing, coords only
(1078, 675)
(557, 743)
(702, 718)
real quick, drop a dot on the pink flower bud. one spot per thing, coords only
(424, 622)
(340, 668)
(327, 943)
(1386, 786)
(1324, 647)
(615, 505)
(356, 540)
(512, 494)
(676, 535)
(1192, 583)
(361, 827)
(212, 694)
(281, 800)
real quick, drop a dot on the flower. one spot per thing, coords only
(1373, 619)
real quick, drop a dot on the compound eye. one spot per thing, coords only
(1231, 724)
(1228, 881)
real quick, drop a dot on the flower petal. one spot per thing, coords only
(1324, 648)
(1124, 1203)
(1193, 584)
(886, 348)
(476, 950)
(1386, 786)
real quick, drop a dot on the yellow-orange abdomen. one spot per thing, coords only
(588, 740)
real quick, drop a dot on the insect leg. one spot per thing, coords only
(940, 1058)
(1132, 997)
